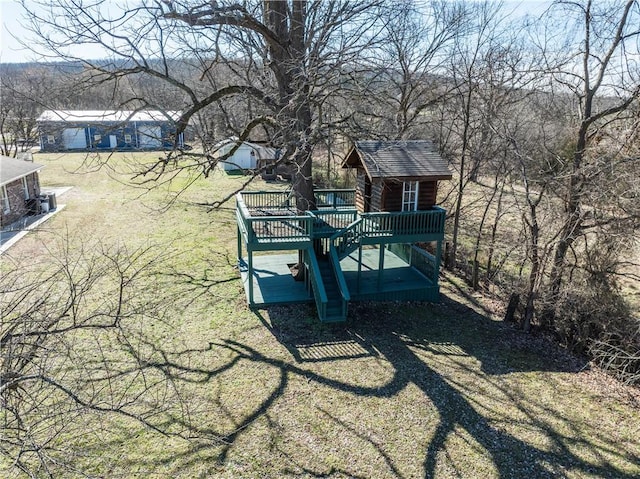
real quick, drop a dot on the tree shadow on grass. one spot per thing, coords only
(415, 340)
(401, 334)
(309, 341)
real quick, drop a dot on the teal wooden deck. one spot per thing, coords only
(347, 255)
(273, 283)
(397, 281)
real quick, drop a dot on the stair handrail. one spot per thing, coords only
(319, 293)
(347, 240)
(338, 274)
(312, 215)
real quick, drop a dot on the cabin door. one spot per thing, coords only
(113, 141)
(367, 194)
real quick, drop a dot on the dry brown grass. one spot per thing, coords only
(402, 390)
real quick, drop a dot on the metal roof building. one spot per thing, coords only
(62, 130)
(107, 116)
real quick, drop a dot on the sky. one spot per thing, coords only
(10, 49)
(11, 18)
(11, 29)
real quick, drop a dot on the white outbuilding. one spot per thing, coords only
(247, 156)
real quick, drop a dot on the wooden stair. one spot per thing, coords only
(336, 312)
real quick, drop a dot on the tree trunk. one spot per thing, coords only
(514, 301)
(461, 177)
(287, 62)
(528, 313)
(494, 232)
(573, 217)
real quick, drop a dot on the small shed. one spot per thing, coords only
(271, 164)
(396, 175)
(247, 156)
(62, 130)
(20, 187)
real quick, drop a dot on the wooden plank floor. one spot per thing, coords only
(273, 282)
(397, 275)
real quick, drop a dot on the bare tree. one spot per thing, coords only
(601, 76)
(485, 71)
(283, 59)
(412, 64)
(22, 91)
(71, 347)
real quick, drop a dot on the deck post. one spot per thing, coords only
(410, 254)
(380, 266)
(359, 267)
(436, 273)
(250, 275)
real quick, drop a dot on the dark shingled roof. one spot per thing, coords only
(398, 159)
(12, 169)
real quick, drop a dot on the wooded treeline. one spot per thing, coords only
(538, 117)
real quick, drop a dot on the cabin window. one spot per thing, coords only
(97, 138)
(6, 207)
(410, 196)
(25, 187)
(51, 139)
(127, 138)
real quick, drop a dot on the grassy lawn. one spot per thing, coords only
(403, 390)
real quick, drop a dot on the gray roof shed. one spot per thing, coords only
(398, 159)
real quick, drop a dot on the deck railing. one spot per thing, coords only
(420, 259)
(266, 199)
(276, 227)
(326, 222)
(280, 228)
(335, 198)
(377, 225)
(404, 223)
(273, 200)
